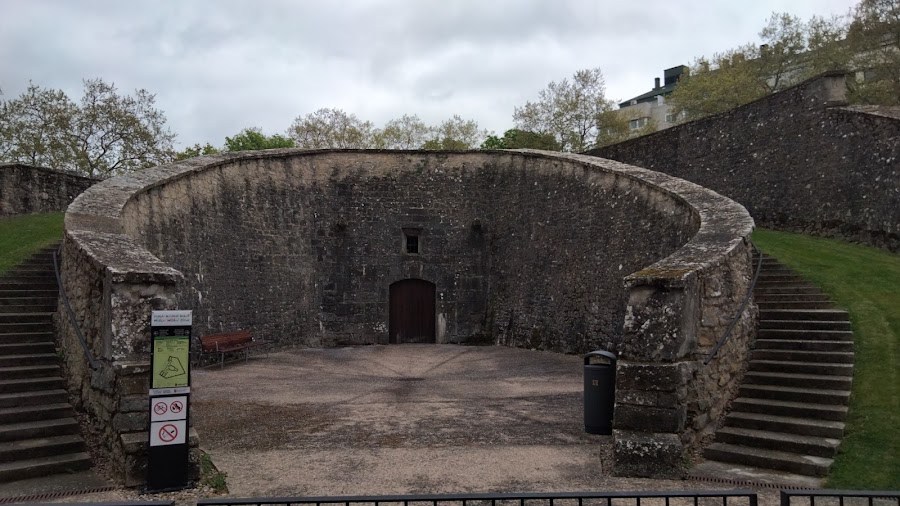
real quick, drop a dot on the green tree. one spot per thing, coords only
(515, 138)
(406, 132)
(455, 133)
(331, 129)
(105, 134)
(568, 110)
(867, 44)
(874, 39)
(251, 139)
(197, 150)
(34, 128)
(616, 127)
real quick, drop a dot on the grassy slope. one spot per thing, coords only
(20, 236)
(866, 282)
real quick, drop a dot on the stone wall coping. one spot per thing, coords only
(884, 111)
(17, 165)
(94, 219)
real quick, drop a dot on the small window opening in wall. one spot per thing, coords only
(411, 240)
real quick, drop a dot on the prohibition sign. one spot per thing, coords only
(177, 407)
(160, 408)
(168, 433)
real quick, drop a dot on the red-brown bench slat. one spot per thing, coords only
(226, 342)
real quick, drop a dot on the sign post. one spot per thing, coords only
(170, 389)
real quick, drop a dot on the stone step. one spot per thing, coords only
(829, 357)
(23, 273)
(798, 380)
(805, 335)
(32, 468)
(26, 328)
(13, 348)
(33, 398)
(28, 301)
(788, 424)
(819, 315)
(786, 288)
(8, 386)
(29, 308)
(789, 297)
(819, 368)
(38, 429)
(26, 337)
(804, 325)
(26, 284)
(24, 291)
(795, 304)
(833, 412)
(804, 345)
(29, 359)
(33, 413)
(36, 317)
(795, 394)
(769, 459)
(27, 449)
(29, 371)
(792, 443)
(777, 277)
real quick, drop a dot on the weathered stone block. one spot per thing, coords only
(639, 454)
(657, 377)
(130, 422)
(132, 403)
(649, 418)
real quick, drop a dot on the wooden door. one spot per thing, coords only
(412, 312)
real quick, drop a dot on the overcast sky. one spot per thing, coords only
(218, 66)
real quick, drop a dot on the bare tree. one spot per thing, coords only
(331, 128)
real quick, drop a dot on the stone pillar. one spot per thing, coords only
(667, 400)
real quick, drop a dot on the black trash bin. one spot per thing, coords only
(599, 391)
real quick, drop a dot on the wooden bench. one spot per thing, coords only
(228, 342)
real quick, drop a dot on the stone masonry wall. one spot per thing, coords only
(530, 248)
(797, 160)
(25, 189)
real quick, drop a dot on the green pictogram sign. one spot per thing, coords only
(170, 360)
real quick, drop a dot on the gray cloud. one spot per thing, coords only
(218, 66)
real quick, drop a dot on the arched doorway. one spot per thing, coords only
(412, 312)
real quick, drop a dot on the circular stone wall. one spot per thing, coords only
(523, 248)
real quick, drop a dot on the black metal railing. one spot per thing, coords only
(110, 503)
(840, 497)
(669, 498)
(740, 310)
(94, 363)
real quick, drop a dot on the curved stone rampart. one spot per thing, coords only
(525, 248)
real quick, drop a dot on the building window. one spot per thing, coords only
(411, 243)
(638, 123)
(671, 117)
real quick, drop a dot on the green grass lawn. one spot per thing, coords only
(20, 236)
(866, 282)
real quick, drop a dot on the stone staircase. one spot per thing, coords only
(38, 434)
(788, 419)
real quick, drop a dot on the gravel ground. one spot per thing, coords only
(402, 419)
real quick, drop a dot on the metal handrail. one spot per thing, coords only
(94, 363)
(740, 311)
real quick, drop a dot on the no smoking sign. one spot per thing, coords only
(168, 433)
